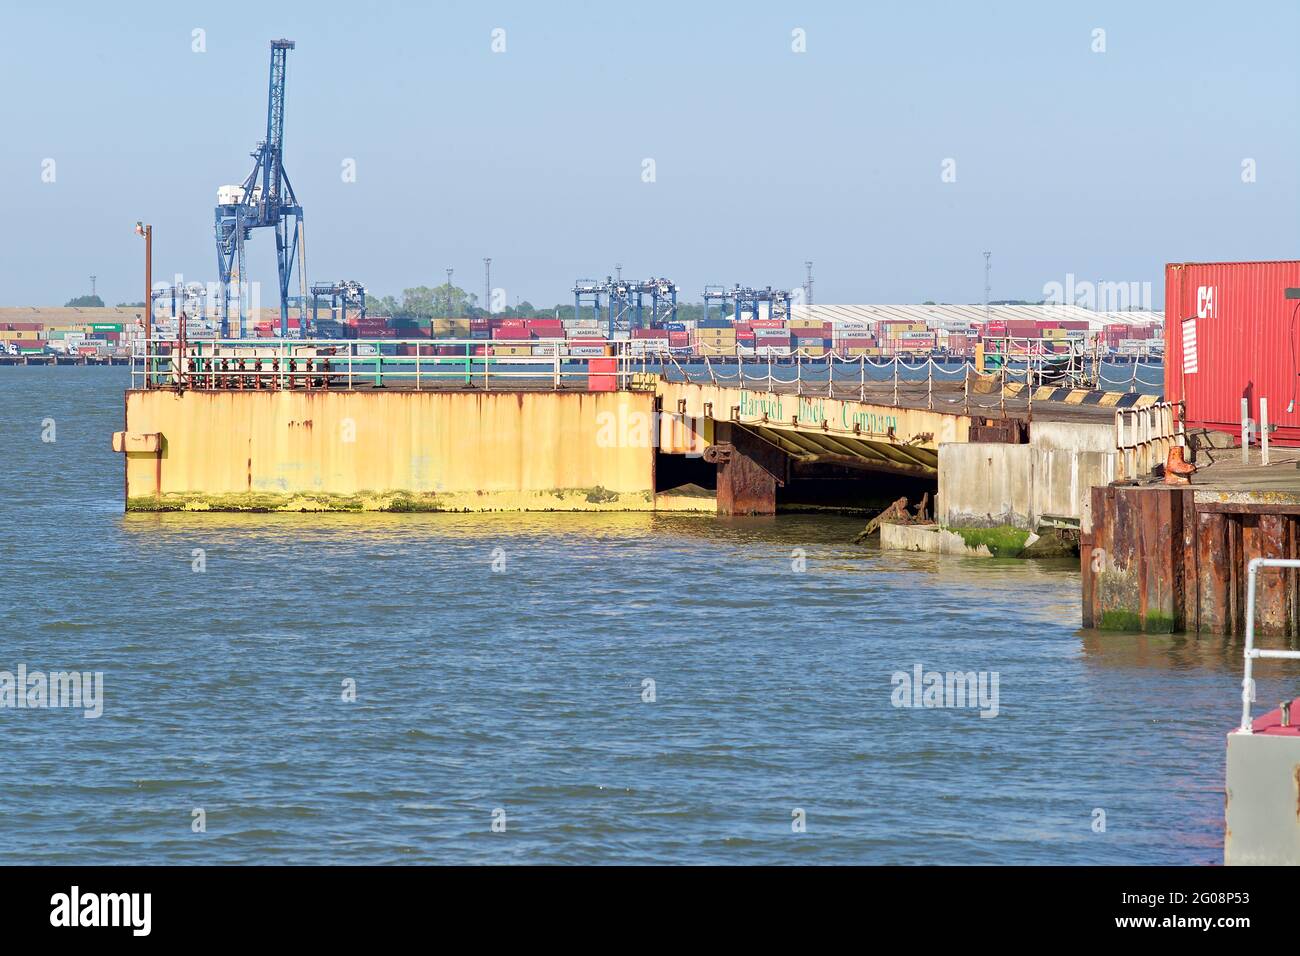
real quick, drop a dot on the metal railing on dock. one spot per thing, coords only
(337, 364)
(262, 364)
(1252, 652)
(1143, 436)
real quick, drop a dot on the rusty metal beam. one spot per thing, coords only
(747, 477)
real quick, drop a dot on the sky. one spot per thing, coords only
(896, 147)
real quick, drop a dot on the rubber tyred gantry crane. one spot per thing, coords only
(265, 199)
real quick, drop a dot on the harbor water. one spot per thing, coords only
(545, 688)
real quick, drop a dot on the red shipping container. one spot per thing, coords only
(767, 324)
(1231, 333)
(511, 334)
(808, 333)
(679, 340)
(509, 324)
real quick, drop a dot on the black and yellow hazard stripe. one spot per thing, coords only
(1081, 396)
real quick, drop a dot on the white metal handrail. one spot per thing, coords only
(1143, 436)
(1252, 652)
(275, 363)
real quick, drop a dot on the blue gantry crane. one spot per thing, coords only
(719, 294)
(745, 302)
(663, 303)
(341, 294)
(621, 302)
(265, 199)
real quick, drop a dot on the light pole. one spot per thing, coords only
(449, 272)
(147, 232)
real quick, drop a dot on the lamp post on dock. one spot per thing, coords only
(146, 231)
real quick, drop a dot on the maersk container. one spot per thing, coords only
(1231, 333)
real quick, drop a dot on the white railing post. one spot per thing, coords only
(1251, 652)
(1245, 431)
(1248, 680)
(1263, 431)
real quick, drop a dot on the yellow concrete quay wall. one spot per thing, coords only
(396, 451)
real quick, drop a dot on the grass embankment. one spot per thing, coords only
(1002, 542)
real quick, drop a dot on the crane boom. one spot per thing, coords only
(265, 199)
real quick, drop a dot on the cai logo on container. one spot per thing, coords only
(1207, 301)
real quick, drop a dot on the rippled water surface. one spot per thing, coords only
(522, 689)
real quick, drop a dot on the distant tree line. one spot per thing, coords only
(423, 303)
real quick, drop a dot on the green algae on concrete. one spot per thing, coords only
(557, 499)
(1155, 623)
(262, 501)
(1003, 541)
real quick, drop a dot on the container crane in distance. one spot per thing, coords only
(265, 198)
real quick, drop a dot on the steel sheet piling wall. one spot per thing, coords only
(1158, 559)
(1240, 343)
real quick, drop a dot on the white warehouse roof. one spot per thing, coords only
(953, 316)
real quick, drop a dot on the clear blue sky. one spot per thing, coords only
(1105, 165)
